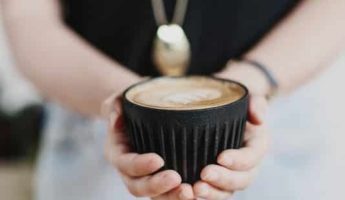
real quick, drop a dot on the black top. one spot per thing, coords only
(217, 29)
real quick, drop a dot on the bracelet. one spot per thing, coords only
(267, 73)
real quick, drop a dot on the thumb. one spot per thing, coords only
(112, 111)
(111, 106)
(257, 109)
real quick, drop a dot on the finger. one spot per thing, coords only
(182, 192)
(115, 147)
(119, 136)
(116, 133)
(206, 191)
(250, 131)
(248, 157)
(225, 179)
(112, 109)
(136, 165)
(257, 109)
(116, 142)
(153, 186)
(110, 105)
(186, 192)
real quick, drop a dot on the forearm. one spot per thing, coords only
(63, 66)
(304, 43)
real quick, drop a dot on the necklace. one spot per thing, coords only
(171, 48)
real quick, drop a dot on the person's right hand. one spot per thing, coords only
(138, 170)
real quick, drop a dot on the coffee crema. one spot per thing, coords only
(185, 93)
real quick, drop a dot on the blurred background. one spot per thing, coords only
(317, 107)
(21, 115)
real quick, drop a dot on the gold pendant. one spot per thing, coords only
(171, 50)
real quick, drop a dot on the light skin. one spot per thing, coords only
(65, 68)
(235, 169)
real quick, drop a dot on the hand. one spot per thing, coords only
(137, 170)
(235, 169)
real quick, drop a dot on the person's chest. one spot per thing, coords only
(216, 29)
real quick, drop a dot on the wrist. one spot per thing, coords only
(248, 75)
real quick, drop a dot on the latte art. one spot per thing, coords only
(187, 93)
(191, 96)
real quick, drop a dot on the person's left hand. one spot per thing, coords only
(236, 168)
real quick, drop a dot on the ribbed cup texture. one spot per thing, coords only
(187, 140)
(186, 149)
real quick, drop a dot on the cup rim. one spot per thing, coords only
(245, 95)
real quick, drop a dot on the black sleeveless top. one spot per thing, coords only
(217, 29)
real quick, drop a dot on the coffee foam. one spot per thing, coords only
(187, 93)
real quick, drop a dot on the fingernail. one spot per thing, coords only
(112, 117)
(261, 113)
(167, 179)
(184, 195)
(164, 179)
(211, 176)
(203, 191)
(154, 165)
(226, 161)
(117, 105)
(261, 116)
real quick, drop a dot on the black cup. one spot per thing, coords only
(187, 140)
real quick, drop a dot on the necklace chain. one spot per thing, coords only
(160, 14)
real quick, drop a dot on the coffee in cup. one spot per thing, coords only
(187, 120)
